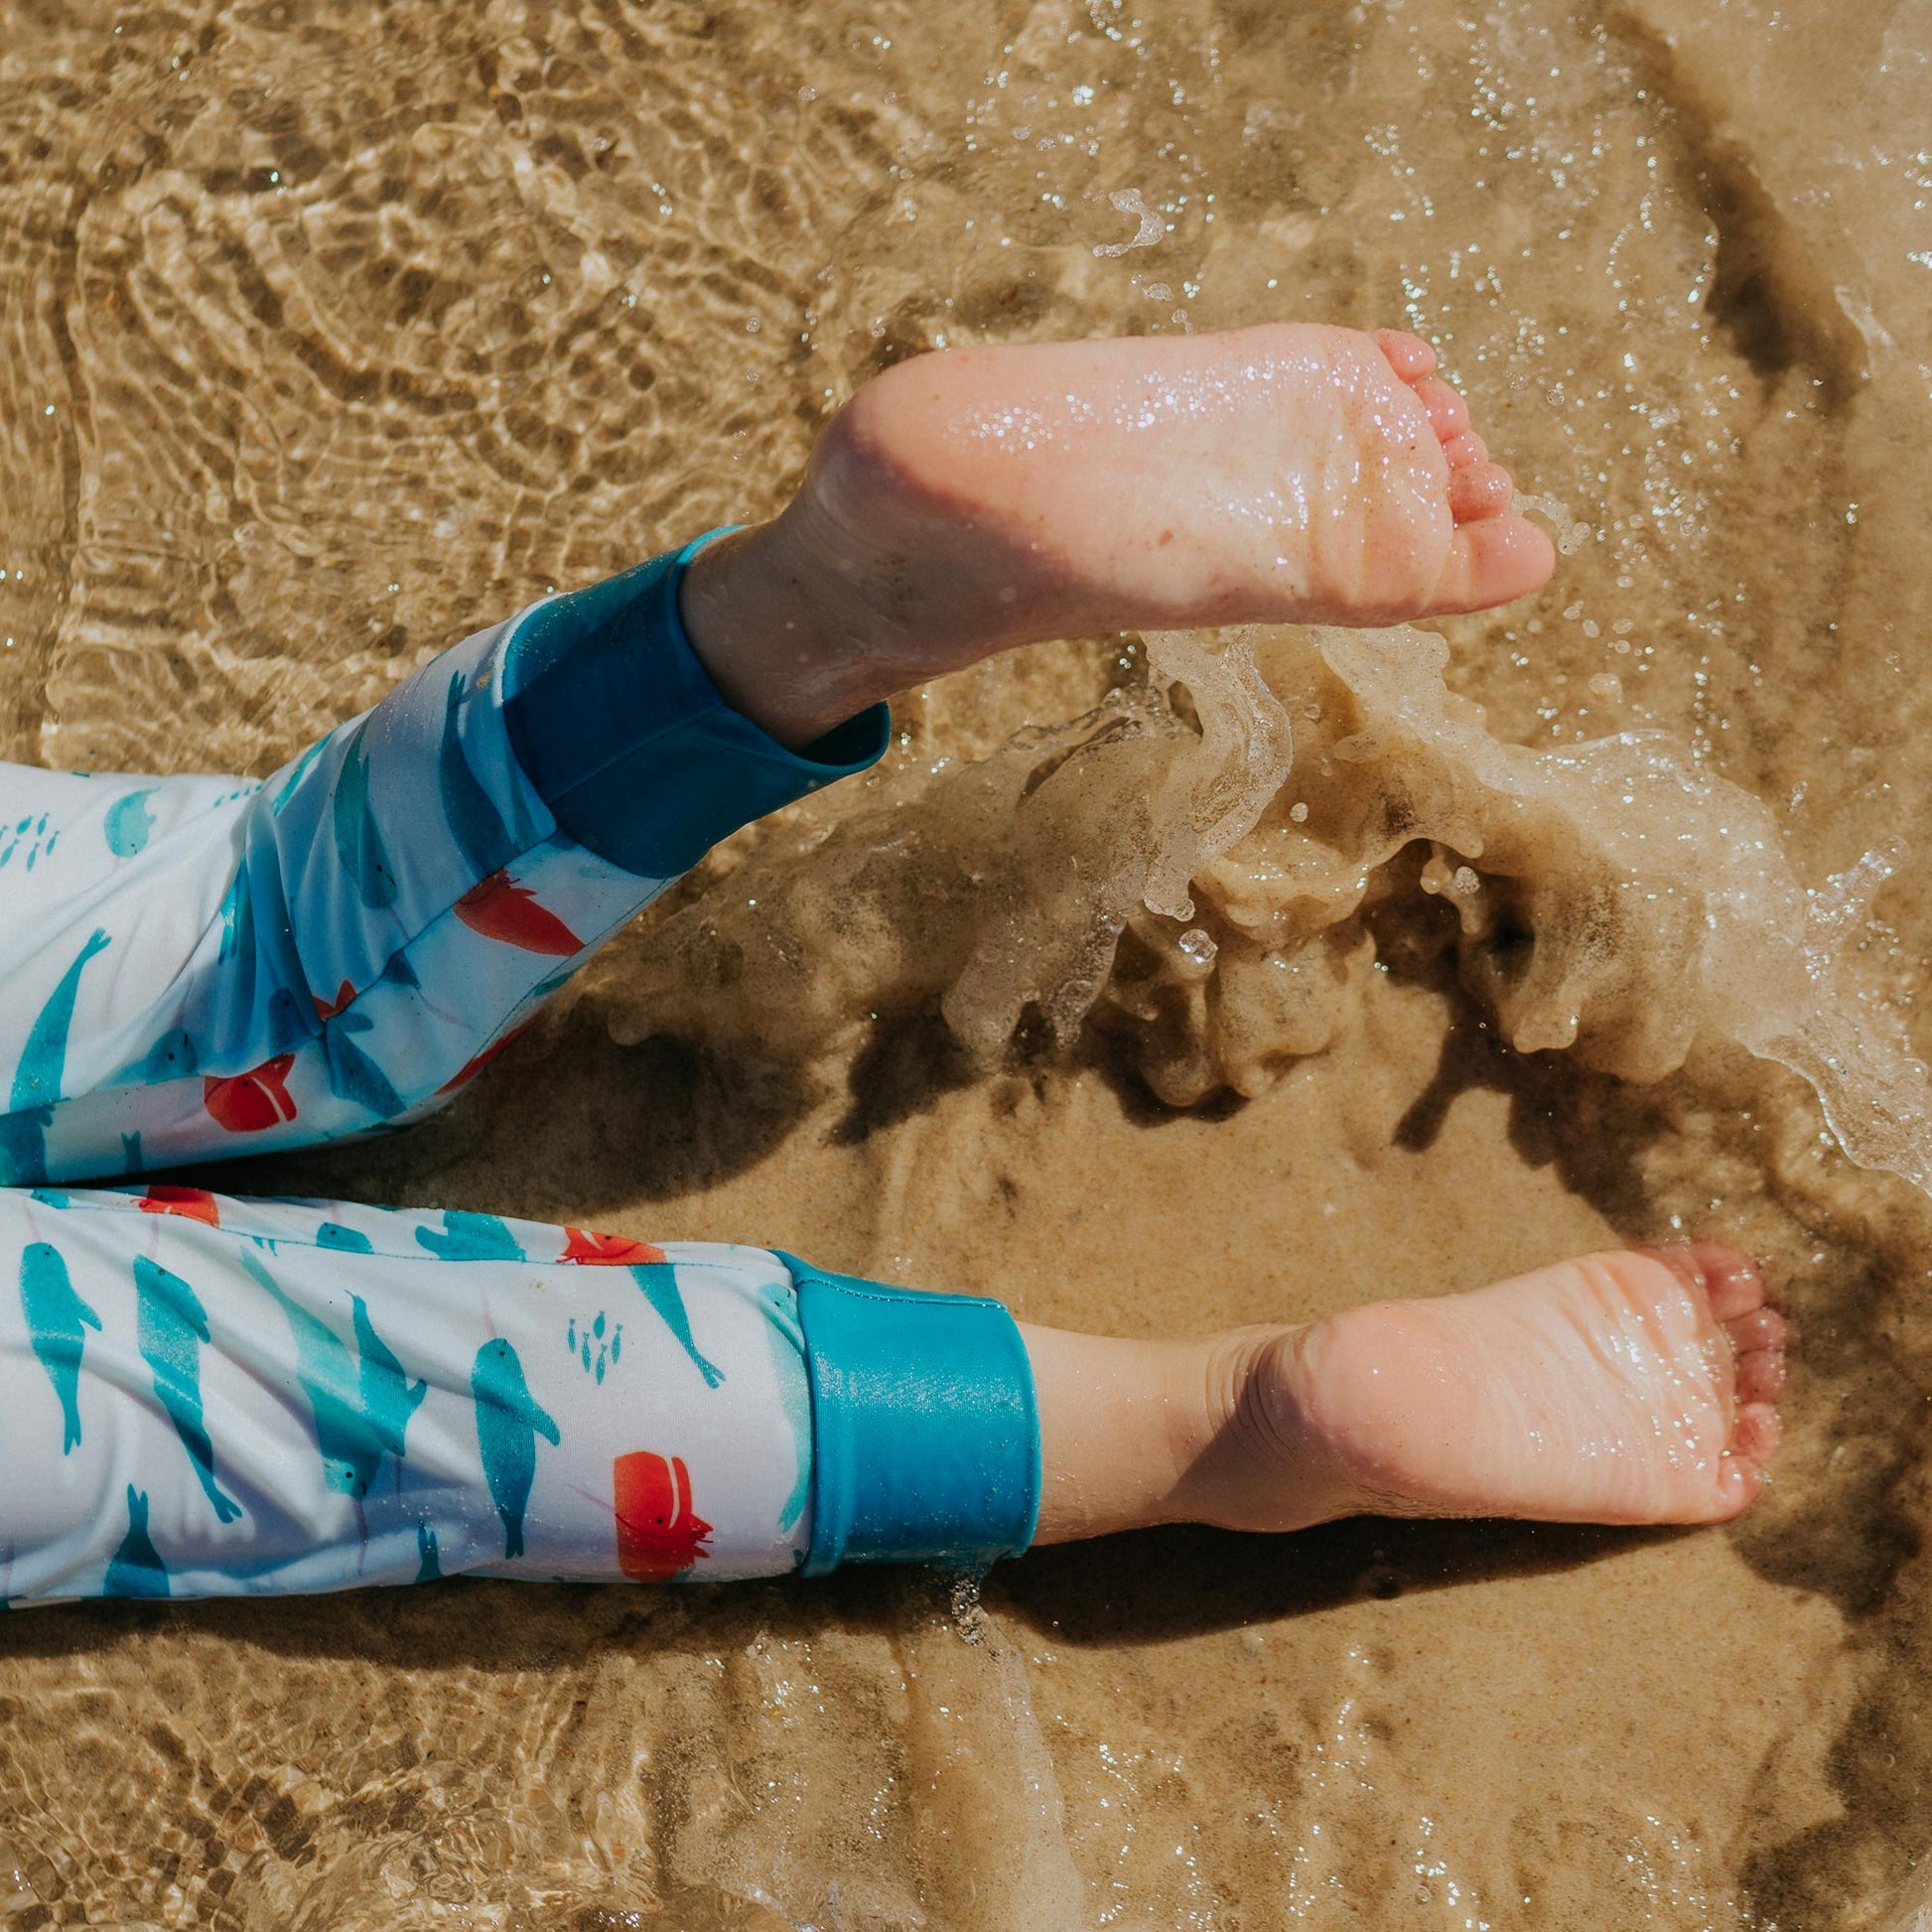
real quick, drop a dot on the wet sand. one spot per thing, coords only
(323, 341)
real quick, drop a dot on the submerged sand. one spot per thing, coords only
(327, 333)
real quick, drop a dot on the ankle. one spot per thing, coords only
(1264, 1466)
(766, 624)
(1124, 1427)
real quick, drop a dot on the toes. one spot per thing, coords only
(1465, 449)
(1478, 491)
(1728, 1280)
(1755, 1329)
(1761, 1376)
(1738, 1481)
(1448, 414)
(1408, 355)
(1757, 1433)
(1740, 1473)
(1492, 561)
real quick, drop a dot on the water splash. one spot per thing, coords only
(1145, 866)
(1658, 899)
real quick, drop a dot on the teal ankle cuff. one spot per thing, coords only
(619, 729)
(925, 1432)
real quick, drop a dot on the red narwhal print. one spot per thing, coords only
(343, 999)
(250, 1103)
(609, 1251)
(500, 908)
(469, 1070)
(191, 1203)
(659, 1534)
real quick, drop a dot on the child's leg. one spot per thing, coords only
(972, 501)
(201, 967)
(204, 1396)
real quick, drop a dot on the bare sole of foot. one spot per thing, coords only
(975, 500)
(1636, 1387)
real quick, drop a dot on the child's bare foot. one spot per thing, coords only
(975, 500)
(1622, 1388)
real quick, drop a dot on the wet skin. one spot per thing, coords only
(976, 501)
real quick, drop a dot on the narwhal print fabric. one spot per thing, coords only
(193, 968)
(203, 1395)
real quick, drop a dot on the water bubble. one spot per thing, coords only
(1151, 229)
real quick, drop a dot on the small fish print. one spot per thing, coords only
(501, 909)
(251, 1102)
(31, 836)
(659, 1534)
(596, 1347)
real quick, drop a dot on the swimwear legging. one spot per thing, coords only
(200, 1395)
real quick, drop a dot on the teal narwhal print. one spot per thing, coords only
(58, 1321)
(509, 1420)
(361, 1409)
(296, 772)
(40, 1074)
(486, 842)
(42, 1061)
(129, 824)
(136, 1569)
(359, 838)
(169, 1326)
(470, 1237)
(352, 1075)
(658, 1280)
(172, 1058)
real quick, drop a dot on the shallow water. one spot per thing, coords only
(326, 333)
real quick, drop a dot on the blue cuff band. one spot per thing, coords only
(925, 1434)
(620, 730)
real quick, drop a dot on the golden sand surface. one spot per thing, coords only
(331, 332)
